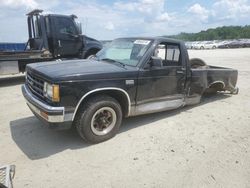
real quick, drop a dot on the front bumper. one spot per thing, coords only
(50, 114)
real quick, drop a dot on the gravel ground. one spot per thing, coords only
(207, 145)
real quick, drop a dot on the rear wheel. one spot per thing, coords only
(99, 119)
(197, 63)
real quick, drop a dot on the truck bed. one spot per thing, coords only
(217, 78)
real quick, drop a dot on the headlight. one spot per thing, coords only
(51, 91)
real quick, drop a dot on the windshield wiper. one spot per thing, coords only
(113, 61)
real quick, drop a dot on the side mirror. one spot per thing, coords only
(155, 61)
(79, 27)
(72, 35)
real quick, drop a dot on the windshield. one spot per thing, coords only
(125, 51)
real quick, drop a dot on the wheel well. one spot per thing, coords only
(121, 98)
(91, 51)
(197, 63)
(217, 85)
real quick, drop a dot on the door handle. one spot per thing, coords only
(180, 72)
(59, 43)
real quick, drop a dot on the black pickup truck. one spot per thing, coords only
(131, 76)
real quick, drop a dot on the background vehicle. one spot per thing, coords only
(131, 76)
(197, 45)
(208, 45)
(51, 37)
(241, 43)
(223, 44)
(236, 44)
(246, 43)
(189, 45)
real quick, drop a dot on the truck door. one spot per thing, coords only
(67, 36)
(162, 88)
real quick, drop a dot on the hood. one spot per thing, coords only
(75, 69)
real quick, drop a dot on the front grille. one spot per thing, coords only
(35, 84)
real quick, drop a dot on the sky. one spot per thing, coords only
(109, 19)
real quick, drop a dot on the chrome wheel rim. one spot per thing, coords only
(103, 121)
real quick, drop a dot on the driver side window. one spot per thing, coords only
(169, 53)
(66, 26)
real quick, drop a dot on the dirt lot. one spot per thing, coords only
(206, 145)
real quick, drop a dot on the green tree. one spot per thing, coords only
(219, 33)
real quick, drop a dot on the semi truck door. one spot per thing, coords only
(67, 37)
(162, 88)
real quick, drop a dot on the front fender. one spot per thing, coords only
(91, 47)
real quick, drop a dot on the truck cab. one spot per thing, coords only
(61, 35)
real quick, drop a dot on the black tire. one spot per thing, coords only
(196, 63)
(91, 57)
(85, 119)
(90, 53)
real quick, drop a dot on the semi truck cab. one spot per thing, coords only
(59, 34)
(51, 36)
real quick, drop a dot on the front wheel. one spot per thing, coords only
(91, 57)
(99, 119)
